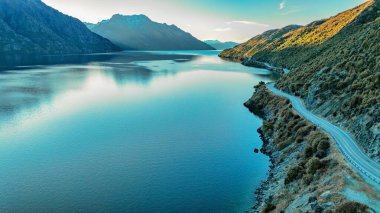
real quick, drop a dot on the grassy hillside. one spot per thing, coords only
(335, 68)
(293, 45)
(257, 44)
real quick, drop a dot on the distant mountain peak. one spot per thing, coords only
(137, 17)
(220, 45)
(141, 33)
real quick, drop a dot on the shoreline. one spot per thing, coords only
(291, 147)
(251, 62)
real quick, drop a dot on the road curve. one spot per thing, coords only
(353, 154)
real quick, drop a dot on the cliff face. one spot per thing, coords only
(138, 32)
(31, 27)
(308, 173)
(335, 69)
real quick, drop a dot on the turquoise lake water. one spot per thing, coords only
(129, 132)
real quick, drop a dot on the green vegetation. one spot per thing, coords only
(335, 67)
(276, 45)
(305, 160)
(353, 207)
(268, 208)
(294, 173)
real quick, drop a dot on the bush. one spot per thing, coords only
(313, 165)
(294, 173)
(352, 207)
(269, 207)
(323, 145)
(267, 126)
(308, 152)
(307, 179)
(356, 101)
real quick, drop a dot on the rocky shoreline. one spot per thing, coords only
(260, 192)
(251, 62)
(307, 172)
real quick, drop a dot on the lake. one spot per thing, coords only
(129, 132)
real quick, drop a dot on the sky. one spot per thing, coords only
(225, 20)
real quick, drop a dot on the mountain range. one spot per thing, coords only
(219, 45)
(32, 27)
(138, 32)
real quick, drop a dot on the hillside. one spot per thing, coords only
(219, 45)
(31, 27)
(257, 43)
(294, 45)
(308, 173)
(138, 32)
(335, 67)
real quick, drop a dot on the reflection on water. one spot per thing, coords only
(132, 131)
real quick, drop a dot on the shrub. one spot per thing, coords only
(352, 207)
(307, 179)
(356, 101)
(323, 145)
(267, 126)
(308, 152)
(284, 144)
(313, 165)
(294, 173)
(269, 207)
(321, 154)
(322, 148)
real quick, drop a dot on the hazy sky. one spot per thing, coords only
(236, 20)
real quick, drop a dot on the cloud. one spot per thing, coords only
(248, 23)
(282, 4)
(222, 29)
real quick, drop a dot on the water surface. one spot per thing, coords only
(133, 131)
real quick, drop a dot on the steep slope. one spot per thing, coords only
(308, 174)
(31, 27)
(335, 67)
(138, 32)
(294, 45)
(257, 43)
(342, 83)
(219, 45)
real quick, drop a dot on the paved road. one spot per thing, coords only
(346, 144)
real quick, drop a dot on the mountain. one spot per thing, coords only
(138, 32)
(32, 27)
(258, 43)
(219, 45)
(89, 25)
(335, 68)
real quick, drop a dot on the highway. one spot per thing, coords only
(346, 144)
